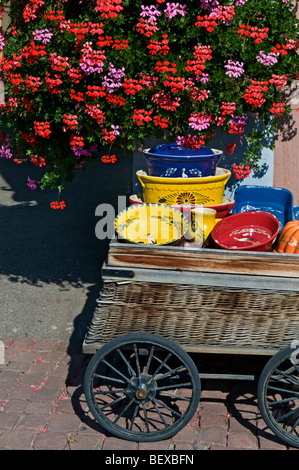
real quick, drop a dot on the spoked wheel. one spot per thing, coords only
(278, 395)
(142, 387)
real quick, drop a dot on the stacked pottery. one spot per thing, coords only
(186, 179)
(174, 161)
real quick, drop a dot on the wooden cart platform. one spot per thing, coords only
(204, 299)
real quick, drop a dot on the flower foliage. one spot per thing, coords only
(83, 77)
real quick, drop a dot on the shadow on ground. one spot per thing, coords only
(50, 260)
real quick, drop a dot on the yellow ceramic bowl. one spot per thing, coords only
(151, 224)
(206, 191)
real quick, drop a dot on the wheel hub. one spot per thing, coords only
(141, 393)
(142, 388)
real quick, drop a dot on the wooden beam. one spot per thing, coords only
(203, 260)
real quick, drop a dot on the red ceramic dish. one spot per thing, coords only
(136, 199)
(222, 209)
(255, 231)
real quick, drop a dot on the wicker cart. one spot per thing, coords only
(161, 303)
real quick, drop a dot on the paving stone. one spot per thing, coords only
(86, 443)
(12, 375)
(61, 370)
(213, 407)
(212, 394)
(33, 421)
(67, 422)
(239, 424)
(56, 382)
(22, 391)
(73, 390)
(8, 420)
(18, 366)
(26, 356)
(54, 356)
(66, 346)
(21, 342)
(209, 436)
(270, 441)
(50, 441)
(16, 440)
(187, 434)
(185, 446)
(208, 420)
(112, 443)
(47, 394)
(34, 378)
(65, 406)
(42, 366)
(15, 405)
(243, 441)
(87, 428)
(3, 394)
(216, 447)
(159, 445)
(37, 407)
(6, 386)
(44, 345)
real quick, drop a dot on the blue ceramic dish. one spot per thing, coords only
(173, 161)
(277, 201)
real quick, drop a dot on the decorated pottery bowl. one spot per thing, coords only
(255, 231)
(206, 191)
(174, 161)
(222, 209)
(150, 224)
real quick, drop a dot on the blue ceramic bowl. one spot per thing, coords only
(277, 201)
(173, 161)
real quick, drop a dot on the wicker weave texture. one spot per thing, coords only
(197, 316)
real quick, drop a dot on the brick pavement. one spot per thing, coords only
(43, 407)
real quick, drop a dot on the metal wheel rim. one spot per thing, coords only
(281, 400)
(143, 397)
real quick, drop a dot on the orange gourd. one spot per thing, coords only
(288, 240)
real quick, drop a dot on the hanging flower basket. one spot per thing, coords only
(84, 78)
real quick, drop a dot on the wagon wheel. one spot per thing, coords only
(142, 387)
(278, 395)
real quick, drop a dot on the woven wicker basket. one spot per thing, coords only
(197, 318)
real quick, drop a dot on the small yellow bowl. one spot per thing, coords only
(151, 224)
(206, 191)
